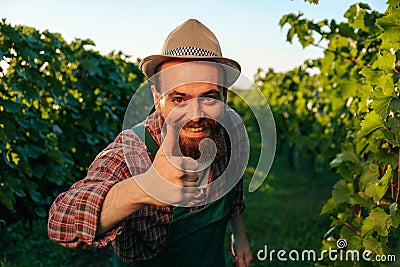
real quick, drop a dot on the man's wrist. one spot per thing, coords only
(138, 197)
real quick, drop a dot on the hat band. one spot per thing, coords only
(189, 51)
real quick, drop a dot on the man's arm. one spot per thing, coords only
(123, 199)
(81, 216)
(240, 244)
(74, 215)
(94, 206)
(127, 197)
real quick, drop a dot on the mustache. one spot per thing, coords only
(203, 122)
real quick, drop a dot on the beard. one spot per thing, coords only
(190, 146)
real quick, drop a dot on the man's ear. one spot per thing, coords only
(156, 99)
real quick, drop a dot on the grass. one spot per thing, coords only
(282, 214)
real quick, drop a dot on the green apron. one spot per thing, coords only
(194, 239)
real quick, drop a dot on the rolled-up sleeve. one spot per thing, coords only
(74, 215)
(239, 201)
(240, 157)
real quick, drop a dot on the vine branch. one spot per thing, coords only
(352, 228)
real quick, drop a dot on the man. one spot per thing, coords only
(130, 192)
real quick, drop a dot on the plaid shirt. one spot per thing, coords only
(74, 215)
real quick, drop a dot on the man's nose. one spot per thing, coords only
(195, 110)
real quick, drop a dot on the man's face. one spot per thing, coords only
(191, 100)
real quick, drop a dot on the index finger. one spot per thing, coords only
(169, 140)
(172, 135)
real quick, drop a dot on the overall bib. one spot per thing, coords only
(194, 239)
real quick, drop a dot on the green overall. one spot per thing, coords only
(194, 239)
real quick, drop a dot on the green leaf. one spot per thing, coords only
(40, 212)
(351, 12)
(388, 136)
(17, 187)
(390, 24)
(56, 129)
(370, 175)
(384, 183)
(392, 3)
(33, 151)
(373, 76)
(359, 18)
(32, 94)
(347, 31)
(371, 123)
(360, 199)
(39, 170)
(347, 87)
(395, 220)
(381, 105)
(388, 85)
(35, 197)
(11, 106)
(341, 192)
(377, 221)
(91, 67)
(7, 198)
(376, 190)
(23, 122)
(330, 207)
(385, 61)
(393, 208)
(395, 104)
(11, 33)
(373, 244)
(345, 156)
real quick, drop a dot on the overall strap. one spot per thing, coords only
(144, 135)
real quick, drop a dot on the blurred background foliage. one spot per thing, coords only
(61, 103)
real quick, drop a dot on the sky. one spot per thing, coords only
(248, 31)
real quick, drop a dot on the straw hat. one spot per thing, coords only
(191, 40)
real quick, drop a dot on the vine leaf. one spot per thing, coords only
(377, 190)
(386, 61)
(371, 123)
(345, 156)
(390, 24)
(381, 104)
(393, 208)
(361, 199)
(373, 244)
(377, 221)
(370, 175)
(341, 192)
(330, 207)
(374, 76)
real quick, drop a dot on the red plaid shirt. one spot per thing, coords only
(74, 215)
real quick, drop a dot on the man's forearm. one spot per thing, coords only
(238, 226)
(240, 244)
(123, 199)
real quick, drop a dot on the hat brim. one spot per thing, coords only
(149, 64)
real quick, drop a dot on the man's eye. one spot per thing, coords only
(209, 99)
(177, 100)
